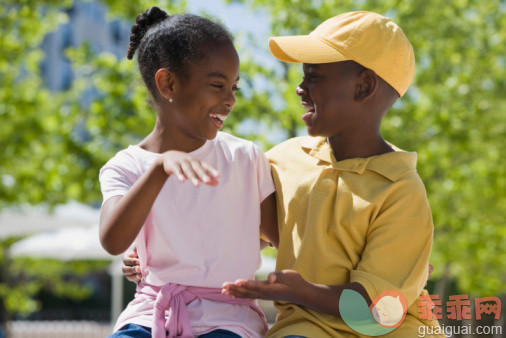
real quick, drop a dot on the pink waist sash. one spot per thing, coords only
(175, 297)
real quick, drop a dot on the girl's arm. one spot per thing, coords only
(122, 217)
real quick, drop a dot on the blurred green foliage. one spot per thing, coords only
(452, 115)
(23, 278)
(52, 145)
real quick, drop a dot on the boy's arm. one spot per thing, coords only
(399, 242)
(268, 219)
(288, 285)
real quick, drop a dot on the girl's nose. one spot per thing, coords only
(230, 99)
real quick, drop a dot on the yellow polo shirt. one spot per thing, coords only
(364, 220)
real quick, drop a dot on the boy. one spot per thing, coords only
(352, 210)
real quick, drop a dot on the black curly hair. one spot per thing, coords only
(174, 42)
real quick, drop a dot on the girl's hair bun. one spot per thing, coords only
(144, 21)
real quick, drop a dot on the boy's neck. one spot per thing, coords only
(344, 148)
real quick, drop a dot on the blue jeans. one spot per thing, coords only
(137, 331)
(132, 331)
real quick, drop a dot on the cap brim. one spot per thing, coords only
(304, 49)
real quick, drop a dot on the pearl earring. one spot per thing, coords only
(171, 100)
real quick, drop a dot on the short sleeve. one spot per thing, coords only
(398, 247)
(264, 176)
(117, 176)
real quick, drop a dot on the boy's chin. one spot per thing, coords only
(312, 131)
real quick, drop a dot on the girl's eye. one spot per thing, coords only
(236, 89)
(217, 85)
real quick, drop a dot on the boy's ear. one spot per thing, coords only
(367, 84)
(165, 80)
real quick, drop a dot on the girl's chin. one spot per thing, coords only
(211, 133)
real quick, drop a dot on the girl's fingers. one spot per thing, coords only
(210, 170)
(195, 171)
(200, 171)
(212, 173)
(177, 171)
(190, 173)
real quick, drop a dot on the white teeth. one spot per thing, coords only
(219, 116)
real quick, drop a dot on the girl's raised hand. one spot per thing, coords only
(185, 167)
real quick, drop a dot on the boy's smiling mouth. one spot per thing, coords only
(307, 117)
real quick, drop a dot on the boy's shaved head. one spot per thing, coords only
(385, 89)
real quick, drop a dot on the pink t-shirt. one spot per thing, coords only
(199, 236)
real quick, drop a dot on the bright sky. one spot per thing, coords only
(237, 17)
(241, 20)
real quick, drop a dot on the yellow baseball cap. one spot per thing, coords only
(369, 39)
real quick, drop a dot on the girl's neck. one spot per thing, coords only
(164, 138)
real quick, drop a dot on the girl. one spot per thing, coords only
(189, 240)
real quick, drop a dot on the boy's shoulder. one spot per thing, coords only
(294, 143)
(293, 148)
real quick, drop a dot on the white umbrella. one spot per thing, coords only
(72, 242)
(25, 220)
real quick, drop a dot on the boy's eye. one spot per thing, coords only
(309, 76)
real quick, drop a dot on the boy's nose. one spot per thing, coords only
(299, 91)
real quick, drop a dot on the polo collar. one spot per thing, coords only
(391, 165)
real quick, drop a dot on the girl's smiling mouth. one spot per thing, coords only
(218, 119)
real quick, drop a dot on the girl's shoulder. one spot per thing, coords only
(132, 159)
(232, 140)
(235, 145)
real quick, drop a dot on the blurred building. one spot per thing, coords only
(88, 22)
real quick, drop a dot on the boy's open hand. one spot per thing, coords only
(185, 167)
(131, 266)
(287, 285)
